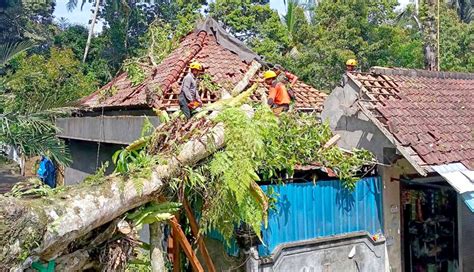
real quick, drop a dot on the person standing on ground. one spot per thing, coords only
(189, 98)
(278, 97)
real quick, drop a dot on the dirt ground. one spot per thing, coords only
(10, 174)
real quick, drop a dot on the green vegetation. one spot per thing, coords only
(42, 82)
(154, 212)
(259, 148)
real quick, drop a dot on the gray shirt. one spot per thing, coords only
(189, 88)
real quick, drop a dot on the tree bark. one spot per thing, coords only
(430, 35)
(45, 228)
(156, 250)
(91, 29)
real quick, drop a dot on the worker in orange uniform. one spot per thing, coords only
(286, 78)
(278, 97)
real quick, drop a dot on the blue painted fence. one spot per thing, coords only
(306, 211)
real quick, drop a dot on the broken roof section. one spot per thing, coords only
(429, 115)
(224, 58)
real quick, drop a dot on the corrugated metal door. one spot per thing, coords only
(306, 211)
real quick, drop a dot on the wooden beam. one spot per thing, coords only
(200, 240)
(188, 250)
(176, 252)
(253, 69)
(332, 141)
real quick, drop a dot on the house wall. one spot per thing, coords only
(391, 210)
(348, 252)
(109, 129)
(84, 159)
(84, 133)
(305, 211)
(465, 236)
(345, 119)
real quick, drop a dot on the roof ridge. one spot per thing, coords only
(389, 71)
(195, 48)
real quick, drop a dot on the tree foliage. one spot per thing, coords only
(41, 82)
(21, 20)
(34, 134)
(260, 148)
(456, 40)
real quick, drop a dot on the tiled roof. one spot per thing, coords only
(430, 114)
(161, 88)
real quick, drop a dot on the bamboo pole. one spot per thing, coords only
(200, 240)
(184, 243)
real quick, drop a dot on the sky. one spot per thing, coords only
(82, 17)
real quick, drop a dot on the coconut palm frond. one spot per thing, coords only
(34, 134)
(464, 8)
(71, 5)
(83, 3)
(10, 50)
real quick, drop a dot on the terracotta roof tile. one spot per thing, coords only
(431, 112)
(161, 87)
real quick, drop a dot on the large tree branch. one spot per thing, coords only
(49, 226)
(46, 228)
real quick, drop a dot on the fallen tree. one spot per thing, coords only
(230, 145)
(45, 227)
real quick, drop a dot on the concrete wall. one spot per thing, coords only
(84, 159)
(345, 119)
(109, 129)
(328, 254)
(391, 210)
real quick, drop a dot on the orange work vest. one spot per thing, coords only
(279, 94)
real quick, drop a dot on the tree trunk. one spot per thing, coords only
(46, 228)
(430, 35)
(91, 29)
(156, 250)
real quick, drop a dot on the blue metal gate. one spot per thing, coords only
(306, 211)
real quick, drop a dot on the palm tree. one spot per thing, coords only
(71, 5)
(91, 29)
(9, 50)
(425, 15)
(34, 134)
(291, 17)
(465, 9)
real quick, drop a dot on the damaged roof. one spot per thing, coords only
(430, 115)
(224, 58)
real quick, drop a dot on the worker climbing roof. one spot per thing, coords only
(225, 60)
(269, 74)
(195, 65)
(351, 62)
